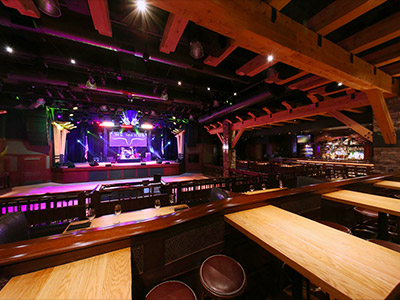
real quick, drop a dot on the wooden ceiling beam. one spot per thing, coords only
(353, 110)
(323, 91)
(278, 4)
(382, 115)
(257, 27)
(215, 61)
(309, 83)
(339, 13)
(274, 78)
(307, 119)
(322, 107)
(172, 33)
(24, 7)
(255, 66)
(374, 35)
(220, 137)
(384, 56)
(361, 130)
(393, 69)
(100, 16)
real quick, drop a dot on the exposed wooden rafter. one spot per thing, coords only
(215, 61)
(373, 35)
(255, 26)
(24, 7)
(393, 69)
(172, 33)
(274, 78)
(220, 137)
(255, 66)
(100, 16)
(237, 137)
(278, 4)
(309, 83)
(361, 130)
(384, 56)
(324, 91)
(382, 115)
(322, 107)
(339, 13)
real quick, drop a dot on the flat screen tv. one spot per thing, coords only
(128, 139)
(303, 139)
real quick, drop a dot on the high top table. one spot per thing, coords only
(343, 265)
(384, 205)
(388, 184)
(106, 276)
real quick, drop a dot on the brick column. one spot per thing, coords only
(227, 152)
(386, 158)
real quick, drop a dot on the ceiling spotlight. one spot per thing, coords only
(141, 5)
(179, 82)
(340, 84)
(234, 94)
(196, 50)
(9, 49)
(270, 58)
(73, 61)
(49, 7)
(208, 89)
(75, 108)
(71, 115)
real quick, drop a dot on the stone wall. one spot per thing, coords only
(386, 158)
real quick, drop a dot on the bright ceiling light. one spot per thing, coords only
(75, 108)
(179, 82)
(73, 61)
(234, 94)
(146, 126)
(141, 5)
(208, 89)
(270, 58)
(107, 124)
(9, 49)
(340, 84)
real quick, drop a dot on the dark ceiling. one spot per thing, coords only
(40, 65)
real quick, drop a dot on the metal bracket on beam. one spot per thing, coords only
(252, 115)
(288, 106)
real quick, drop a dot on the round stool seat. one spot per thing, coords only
(222, 276)
(171, 290)
(387, 244)
(367, 212)
(335, 226)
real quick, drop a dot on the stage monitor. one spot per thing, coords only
(128, 139)
(303, 139)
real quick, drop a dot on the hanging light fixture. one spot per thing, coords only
(196, 50)
(49, 7)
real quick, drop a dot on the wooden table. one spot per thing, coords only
(137, 215)
(106, 276)
(343, 265)
(384, 205)
(263, 191)
(388, 184)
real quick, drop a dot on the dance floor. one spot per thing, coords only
(52, 187)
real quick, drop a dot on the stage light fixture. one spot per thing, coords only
(270, 58)
(141, 5)
(340, 84)
(107, 124)
(196, 50)
(75, 108)
(9, 49)
(164, 94)
(73, 61)
(49, 7)
(71, 115)
(146, 126)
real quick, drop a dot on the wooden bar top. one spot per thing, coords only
(133, 216)
(106, 276)
(375, 202)
(343, 265)
(388, 184)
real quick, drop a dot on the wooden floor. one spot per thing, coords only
(52, 187)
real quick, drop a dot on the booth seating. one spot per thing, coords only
(222, 277)
(13, 228)
(171, 290)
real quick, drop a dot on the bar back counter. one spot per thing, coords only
(173, 245)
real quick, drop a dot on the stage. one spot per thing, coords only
(83, 172)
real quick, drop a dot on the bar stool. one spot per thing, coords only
(222, 277)
(335, 226)
(390, 245)
(171, 290)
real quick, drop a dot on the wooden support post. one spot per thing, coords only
(361, 130)
(237, 137)
(220, 138)
(226, 151)
(382, 115)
